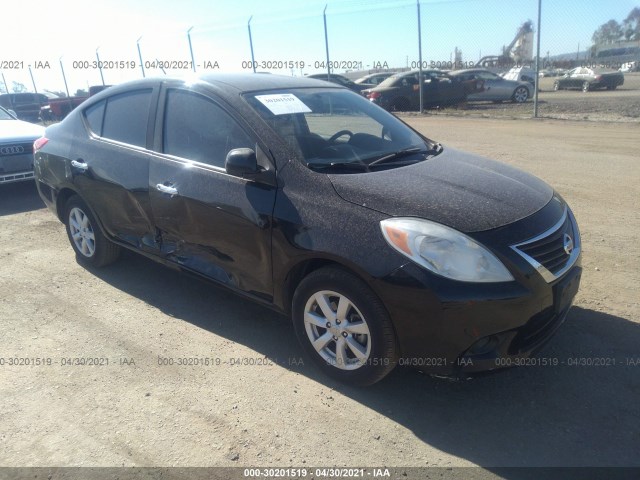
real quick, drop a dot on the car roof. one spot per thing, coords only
(377, 74)
(238, 82)
(471, 70)
(324, 75)
(248, 82)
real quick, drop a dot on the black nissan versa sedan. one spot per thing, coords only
(382, 245)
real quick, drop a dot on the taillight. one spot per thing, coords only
(374, 95)
(39, 143)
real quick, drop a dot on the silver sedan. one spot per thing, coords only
(496, 88)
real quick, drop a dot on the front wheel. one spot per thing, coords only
(520, 95)
(344, 327)
(85, 236)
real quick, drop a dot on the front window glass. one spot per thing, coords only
(197, 129)
(329, 128)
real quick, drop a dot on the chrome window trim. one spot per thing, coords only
(573, 257)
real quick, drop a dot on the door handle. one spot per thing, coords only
(167, 189)
(80, 165)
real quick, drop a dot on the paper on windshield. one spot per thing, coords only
(283, 103)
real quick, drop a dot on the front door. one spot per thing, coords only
(208, 221)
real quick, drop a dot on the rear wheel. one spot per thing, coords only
(520, 95)
(85, 236)
(344, 327)
(586, 86)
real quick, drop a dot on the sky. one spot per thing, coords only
(362, 34)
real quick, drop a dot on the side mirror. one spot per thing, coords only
(241, 162)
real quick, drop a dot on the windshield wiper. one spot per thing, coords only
(435, 149)
(359, 165)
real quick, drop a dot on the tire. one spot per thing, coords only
(586, 86)
(520, 94)
(369, 350)
(91, 246)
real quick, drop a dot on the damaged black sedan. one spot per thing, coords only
(384, 246)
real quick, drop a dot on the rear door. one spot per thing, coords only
(110, 166)
(216, 224)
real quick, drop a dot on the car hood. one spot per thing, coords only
(461, 190)
(17, 130)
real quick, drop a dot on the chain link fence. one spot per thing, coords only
(493, 41)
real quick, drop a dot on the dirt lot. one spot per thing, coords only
(620, 105)
(278, 412)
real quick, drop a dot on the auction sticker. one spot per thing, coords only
(283, 103)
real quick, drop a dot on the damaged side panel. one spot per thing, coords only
(215, 224)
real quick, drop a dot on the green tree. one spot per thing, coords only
(18, 87)
(631, 25)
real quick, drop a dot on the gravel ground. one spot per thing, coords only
(256, 404)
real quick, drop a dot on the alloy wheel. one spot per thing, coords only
(337, 330)
(82, 232)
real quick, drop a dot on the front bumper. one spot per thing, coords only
(16, 177)
(16, 167)
(450, 328)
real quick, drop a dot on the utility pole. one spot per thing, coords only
(100, 66)
(64, 77)
(420, 58)
(537, 79)
(140, 56)
(326, 40)
(32, 80)
(193, 62)
(253, 61)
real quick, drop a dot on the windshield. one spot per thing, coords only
(334, 127)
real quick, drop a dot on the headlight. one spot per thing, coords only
(443, 250)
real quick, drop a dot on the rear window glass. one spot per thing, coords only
(126, 117)
(95, 115)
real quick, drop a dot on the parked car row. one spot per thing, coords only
(496, 88)
(630, 67)
(35, 107)
(27, 106)
(552, 72)
(339, 80)
(586, 79)
(401, 91)
(440, 88)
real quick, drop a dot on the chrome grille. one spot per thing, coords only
(555, 251)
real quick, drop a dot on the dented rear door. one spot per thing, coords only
(110, 166)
